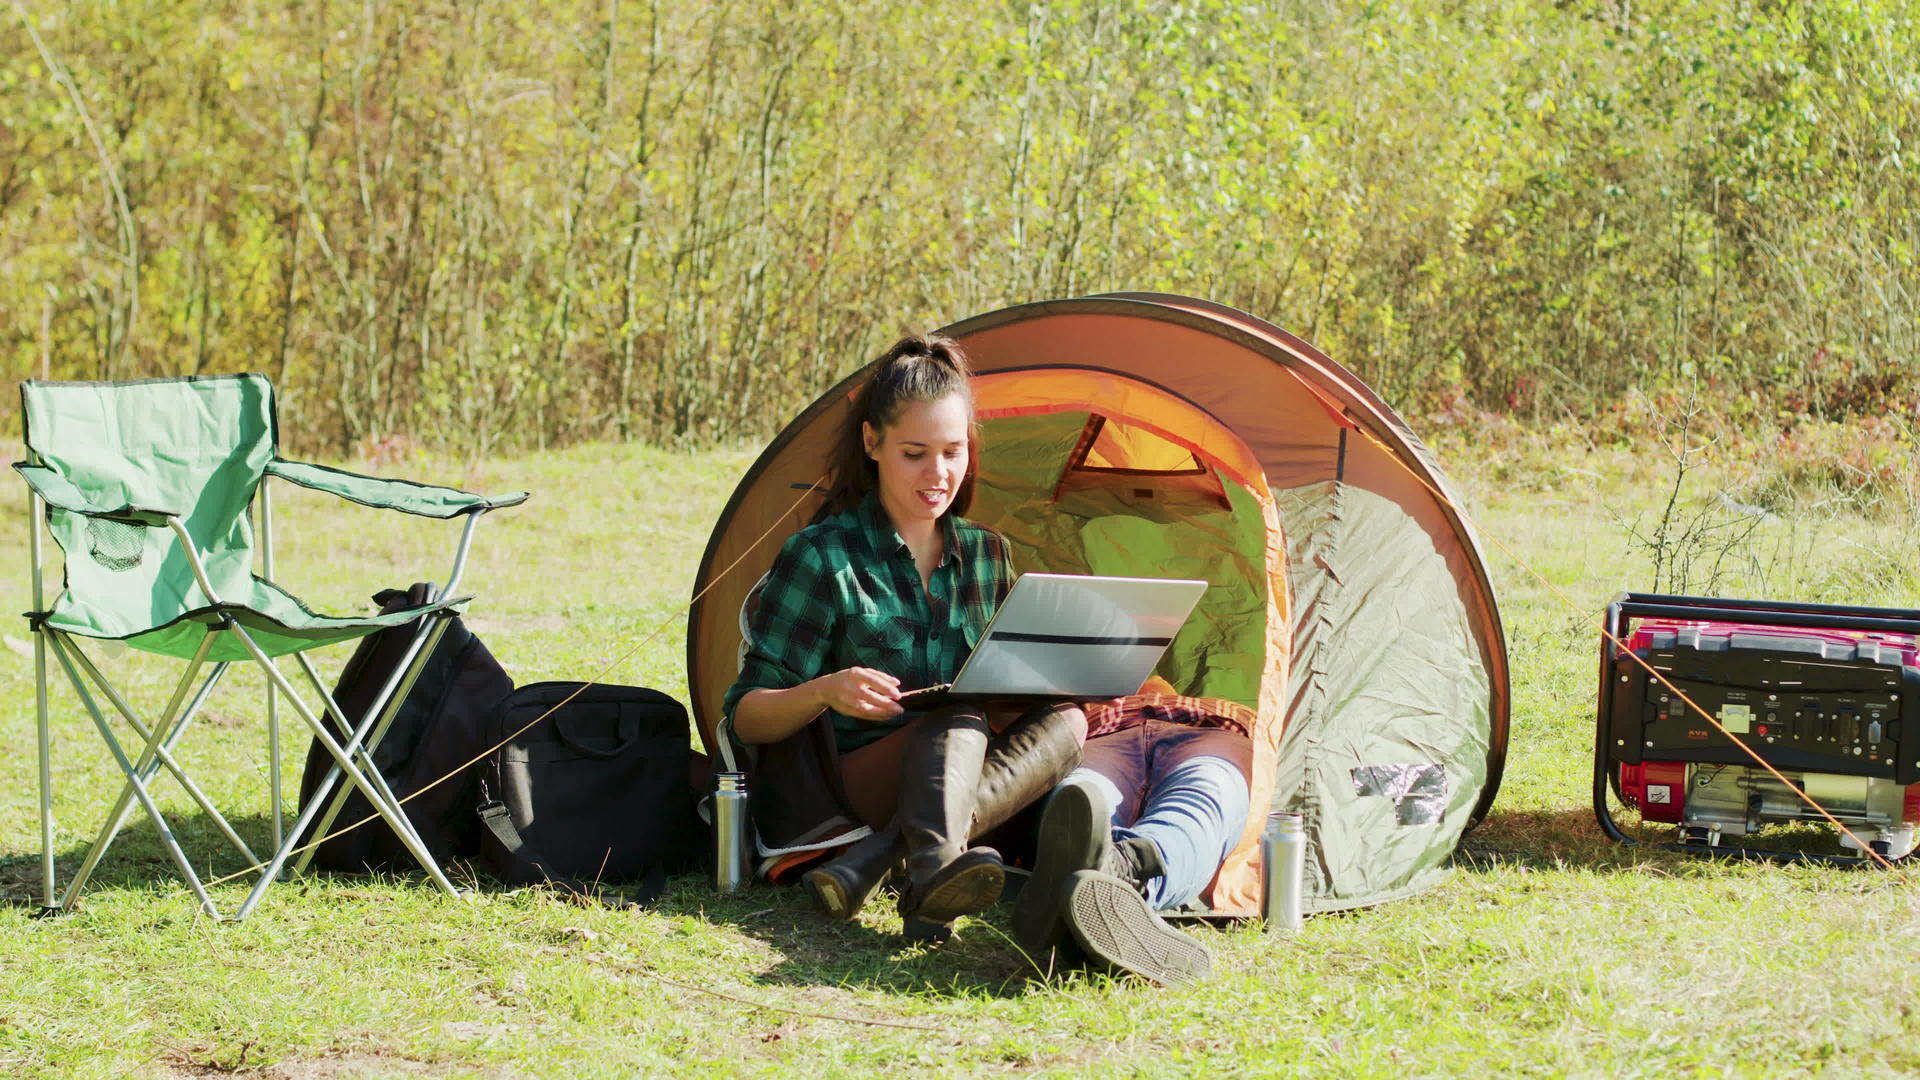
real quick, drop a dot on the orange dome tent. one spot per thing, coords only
(1152, 435)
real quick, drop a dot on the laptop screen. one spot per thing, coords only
(1077, 636)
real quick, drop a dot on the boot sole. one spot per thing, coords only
(966, 886)
(1115, 926)
(1071, 835)
(833, 897)
(827, 894)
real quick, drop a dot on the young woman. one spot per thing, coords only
(887, 595)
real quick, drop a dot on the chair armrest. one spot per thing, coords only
(58, 491)
(406, 496)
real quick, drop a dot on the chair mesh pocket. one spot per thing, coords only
(115, 545)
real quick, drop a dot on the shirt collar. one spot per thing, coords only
(886, 539)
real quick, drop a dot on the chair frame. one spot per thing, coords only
(352, 760)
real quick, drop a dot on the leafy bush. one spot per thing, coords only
(491, 225)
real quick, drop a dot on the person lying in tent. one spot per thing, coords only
(893, 590)
(1142, 826)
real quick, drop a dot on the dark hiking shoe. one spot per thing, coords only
(928, 934)
(1112, 922)
(1072, 835)
(843, 885)
(837, 895)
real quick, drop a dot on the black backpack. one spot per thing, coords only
(600, 789)
(437, 731)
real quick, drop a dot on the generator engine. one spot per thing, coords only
(1714, 801)
(1829, 696)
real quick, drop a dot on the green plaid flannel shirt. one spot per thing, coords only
(844, 593)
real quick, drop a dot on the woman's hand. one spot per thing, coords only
(767, 715)
(861, 693)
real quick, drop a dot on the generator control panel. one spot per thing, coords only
(1826, 698)
(1803, 699)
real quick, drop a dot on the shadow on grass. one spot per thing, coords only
(1540, 839)
(138, 861)
(137, 858)
(1571, 839)
(867, 953)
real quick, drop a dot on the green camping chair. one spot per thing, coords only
(145, 485)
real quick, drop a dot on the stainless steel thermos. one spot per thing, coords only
(1283, 860)
(733, 846)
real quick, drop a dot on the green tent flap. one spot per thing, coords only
(1386, 746)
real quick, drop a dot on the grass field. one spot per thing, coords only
(1548, 953)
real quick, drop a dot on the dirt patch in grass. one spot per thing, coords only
(350, 1065)
(226, 718)
(20, 881)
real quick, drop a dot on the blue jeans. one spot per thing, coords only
(1183, 788)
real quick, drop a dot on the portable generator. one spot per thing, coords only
(1828, 695)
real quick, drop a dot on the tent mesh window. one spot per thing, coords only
(1109, 446)
(1114, 454)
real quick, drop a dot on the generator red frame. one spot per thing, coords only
(1828, 694)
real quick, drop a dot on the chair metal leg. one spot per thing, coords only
(36, 513)
(275, 797)
(369, 733)
(155, 742)
(393, 814)
(386, 706)
(460, 555)
(359, 748)
(150, 768)
(168, 720)
(49, 899)
(139, 788)
(173, 725)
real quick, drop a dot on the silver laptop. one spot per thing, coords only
(1071, 635)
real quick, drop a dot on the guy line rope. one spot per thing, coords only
(1622, 649)
(1442, 496)
(610, 665)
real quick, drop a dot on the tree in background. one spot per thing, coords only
(504, 225)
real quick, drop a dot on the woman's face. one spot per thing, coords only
(921, 457)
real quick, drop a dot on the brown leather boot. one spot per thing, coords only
(939, 775)
(1021, 764)
(1026, 761)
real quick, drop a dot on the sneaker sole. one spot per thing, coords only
(1115, 926)
(1070, 838)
